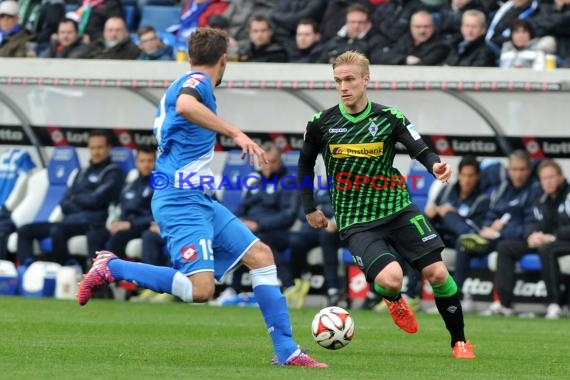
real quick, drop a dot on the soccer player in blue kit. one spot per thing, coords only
(205, 240)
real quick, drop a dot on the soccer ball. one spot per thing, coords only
(333, 328)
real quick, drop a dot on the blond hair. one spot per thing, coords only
(353, 58)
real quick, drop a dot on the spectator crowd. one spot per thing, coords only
(483, 33)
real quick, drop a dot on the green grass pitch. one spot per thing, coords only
(52, 339)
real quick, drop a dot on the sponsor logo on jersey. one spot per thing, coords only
(189, 253)
(337, 130)
(413, 132)
(429, 237)
(365, 150)
(193, 80)
(373, 128)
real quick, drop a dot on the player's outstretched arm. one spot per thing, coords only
(193, 110)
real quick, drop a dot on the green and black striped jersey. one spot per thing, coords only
(358, 151)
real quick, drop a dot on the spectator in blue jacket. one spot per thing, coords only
(510, 211)
(268, 209)
(152, 48)
(548, 232)
(460, 209)
(134, 204)
(85, 205)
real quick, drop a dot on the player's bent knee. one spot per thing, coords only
(391, 277)
(259, 255)
(436, 273)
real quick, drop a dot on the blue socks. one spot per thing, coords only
(273, 306)
(152, 277)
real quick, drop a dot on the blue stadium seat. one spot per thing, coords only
(419, 184)
(45, 189)
(124, 158)
(130, 16)
(62, 164)
(479, 262)
(291, 161)
(159, 17)
(15, 163)
(346, 256)
(234, 171)
(531, 262)
(167, 38)
(492, 174)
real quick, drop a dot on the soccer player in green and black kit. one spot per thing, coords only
(372, 205)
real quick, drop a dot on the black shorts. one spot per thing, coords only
(408, 233)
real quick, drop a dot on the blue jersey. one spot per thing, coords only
(185, 150)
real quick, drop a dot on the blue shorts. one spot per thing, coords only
(200, 234)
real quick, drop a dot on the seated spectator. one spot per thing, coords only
(152, 47)
(334, 17)
(553, 19)
(539, 234)
(307, 48)
(472, 50)
(239, 12)
(268, 209)
(85, 206)
(67, 43)
(460, 209)
(420, 47)
(286, 15)
(499, 30)
(392, 19)
(357, 34)
(301, 242)
(13, 36)
(552, 232)
(115, 44)
(450, 18)
(134, 204)
(523, 49)
(92, 15)
(222, 23)
(505, 220)
(261, 46)
(42, 18)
